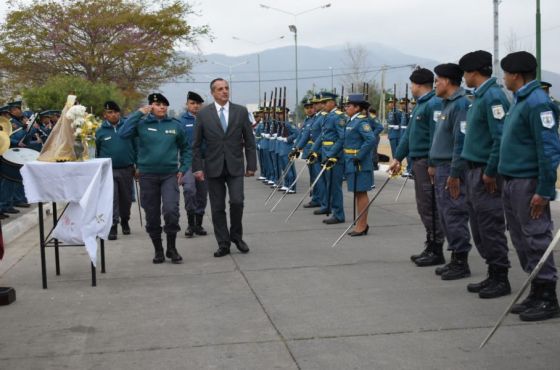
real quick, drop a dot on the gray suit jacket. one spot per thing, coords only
(223, 148)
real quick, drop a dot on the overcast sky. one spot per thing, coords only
(438, 29)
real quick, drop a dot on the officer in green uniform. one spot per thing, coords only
(108, 144)
(416, 143)
(529, 157)
(481, 150)
(359, 141)
(164, 155)
(448, 171)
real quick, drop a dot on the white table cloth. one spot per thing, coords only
(86, 186)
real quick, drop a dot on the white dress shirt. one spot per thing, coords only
(226, 111)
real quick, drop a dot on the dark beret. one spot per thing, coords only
(476, 61)
(111, 105)
(422, 76)
(519, 62)
(449, 70)
(191, 95)
(157, 98)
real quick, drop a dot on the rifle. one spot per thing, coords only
(342, 98)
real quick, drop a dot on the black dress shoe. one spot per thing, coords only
(241, 245)
(113, 232)
(356, 233)
(320, 212)
(311, 205)
(332, 221)
(222, 251)
(22, 205)
(125, 228)
(12, 210)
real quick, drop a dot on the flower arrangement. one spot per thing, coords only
(84, 126)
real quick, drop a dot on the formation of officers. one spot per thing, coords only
(480, 162)
(29, 131)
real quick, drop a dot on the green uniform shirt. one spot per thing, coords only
(162, 143)
(485, 119)
(108, 144)
(530, 147)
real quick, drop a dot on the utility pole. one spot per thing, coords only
(538, 40)
(496, 62)
(382, 101)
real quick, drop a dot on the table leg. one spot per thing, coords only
(93, 275)
(56, 252)
(102, 256)
(42, 246)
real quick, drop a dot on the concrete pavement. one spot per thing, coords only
(291, 303)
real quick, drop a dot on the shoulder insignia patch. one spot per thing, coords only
(437, 114)
(498, 111)
(547, 119)
(463, 127)
(366, 127)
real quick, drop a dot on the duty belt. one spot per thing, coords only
(328, 143)
(351, 151)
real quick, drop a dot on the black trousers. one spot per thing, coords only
(122, 195)
(217, 195)
(160, 194)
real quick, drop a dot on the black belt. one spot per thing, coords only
(508, 178)
(473, 165)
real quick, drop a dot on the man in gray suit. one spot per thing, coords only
(225, 129)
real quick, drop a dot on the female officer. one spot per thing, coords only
(358, 145)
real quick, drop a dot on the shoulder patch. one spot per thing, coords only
(547, 119)
(498, 111)
(437, 114)
(366, 127)
(463, 127)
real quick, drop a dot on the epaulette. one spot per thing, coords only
(339, 112)
(324, 113)
(361, 116)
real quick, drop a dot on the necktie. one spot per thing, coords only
(223, 119)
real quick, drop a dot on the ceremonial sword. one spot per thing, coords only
(324, 167)
(289, 188)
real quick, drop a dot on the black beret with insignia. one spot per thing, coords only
(422, 76)
(191, 95)
(449, 70)
(111, 105)
(519, 62)
(479, 60)
(157, 98)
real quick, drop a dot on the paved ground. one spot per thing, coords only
(292, 303)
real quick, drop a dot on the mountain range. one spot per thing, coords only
(318, 68)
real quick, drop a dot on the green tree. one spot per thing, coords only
(130, 43)
(53, 93)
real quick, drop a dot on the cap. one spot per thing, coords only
(157, 98)
(519, 62)
(422, 76)
(479, 60)
(191, 95)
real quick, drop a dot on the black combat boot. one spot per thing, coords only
(427, 248)
(190, 228)
(433, 257)
(458, 268)
(113, 232)
(477, 287)
(546, 306)
(171, 252)
(441, 269)
(498, 285)
(125, 227)
(528, 302)
(158, 247)
(199, 230)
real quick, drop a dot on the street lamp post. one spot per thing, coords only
(293, 29)
(230, 67)
(258, 56)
